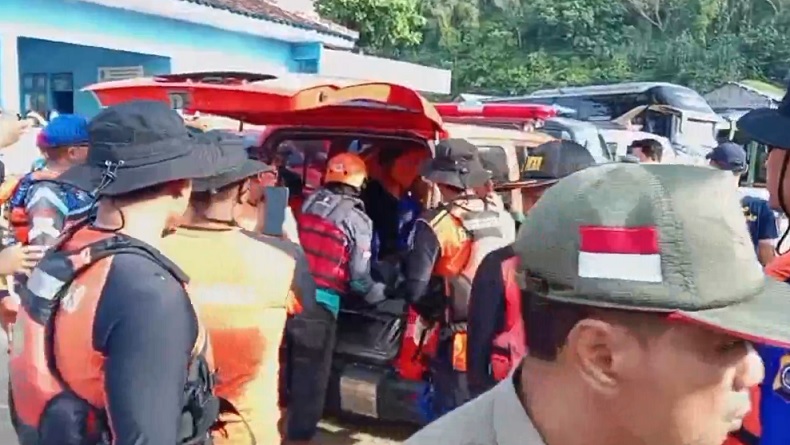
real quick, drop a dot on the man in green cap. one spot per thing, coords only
(639, 317)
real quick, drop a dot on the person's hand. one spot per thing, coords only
(11, 130)
(20, 259)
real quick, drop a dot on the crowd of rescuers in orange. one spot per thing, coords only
(641, 324)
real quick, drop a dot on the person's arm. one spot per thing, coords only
(360, 234)
(10, 130)
(486, 317)
(418, 268)
(146, 328)
(47, 211)
(767, 233)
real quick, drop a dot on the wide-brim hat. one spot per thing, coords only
(456, 163)
(139, 144)
(234, 148)
(769, 125)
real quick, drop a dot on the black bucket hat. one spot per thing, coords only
(549, 162)
(140, 144)
(769, 125)
(457, 164)
(235, 149)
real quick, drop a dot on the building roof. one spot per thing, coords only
(762, 89)
(269, 11)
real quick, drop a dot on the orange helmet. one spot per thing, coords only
(346, 168)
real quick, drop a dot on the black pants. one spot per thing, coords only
(450, 386)
(311, 343)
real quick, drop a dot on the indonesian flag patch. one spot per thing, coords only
(620, 253)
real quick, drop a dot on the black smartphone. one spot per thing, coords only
(276, 202)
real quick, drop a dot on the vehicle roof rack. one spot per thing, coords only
(216, 77)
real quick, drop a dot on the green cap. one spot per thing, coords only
(651, 237)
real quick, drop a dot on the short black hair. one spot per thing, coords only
(650, 147)
(547, 323)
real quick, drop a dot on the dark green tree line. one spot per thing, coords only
(515, 46)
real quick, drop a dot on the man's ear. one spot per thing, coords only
(594, 346)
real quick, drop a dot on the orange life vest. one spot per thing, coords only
(57, 384)
(467, 231)
(18, 219)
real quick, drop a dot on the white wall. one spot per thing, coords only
(344, 64)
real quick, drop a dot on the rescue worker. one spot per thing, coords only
(447, 244)
(626, 344)
(768, 421)
(108, 347)
(40, 207)
(759, 217)
(496, 340)
(336, 236)
(243, 305)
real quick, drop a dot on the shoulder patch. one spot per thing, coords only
(781, 384)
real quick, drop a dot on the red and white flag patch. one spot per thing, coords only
(620, 253)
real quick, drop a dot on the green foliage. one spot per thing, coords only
(382, 24)
(516, 46)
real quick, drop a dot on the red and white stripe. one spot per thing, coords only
(620, 253)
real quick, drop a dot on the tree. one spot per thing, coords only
(516, 46)
(382, 24)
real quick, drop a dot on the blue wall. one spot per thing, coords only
(71, 15)
(83, 62)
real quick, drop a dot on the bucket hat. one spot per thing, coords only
(650, 238)
(769, 125)
(240, 166)
(549, 162)
(139, 144)
(456, 163)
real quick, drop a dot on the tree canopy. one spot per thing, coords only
(516, 46)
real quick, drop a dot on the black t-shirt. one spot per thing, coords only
(146, 328)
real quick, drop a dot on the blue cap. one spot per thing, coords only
(66, 130)
(729, 156)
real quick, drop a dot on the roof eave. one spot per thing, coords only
(257, 25)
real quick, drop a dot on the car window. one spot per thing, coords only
(494, 159)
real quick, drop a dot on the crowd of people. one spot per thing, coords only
(637, 303)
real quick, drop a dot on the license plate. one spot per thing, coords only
(359, 392)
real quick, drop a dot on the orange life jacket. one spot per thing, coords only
(467, 231)
(57, 384)
(510, 344)
(19, 220)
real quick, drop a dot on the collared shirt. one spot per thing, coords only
(495, 418)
